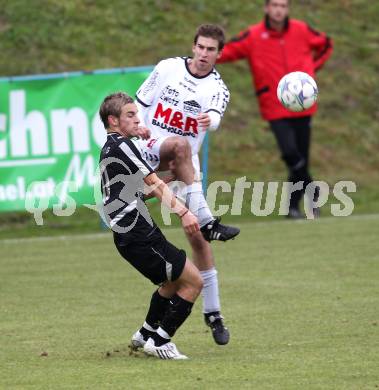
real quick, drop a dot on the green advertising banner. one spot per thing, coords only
(51, 134)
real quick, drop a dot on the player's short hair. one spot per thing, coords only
(211, 31)
(267, 2)
(112, 105)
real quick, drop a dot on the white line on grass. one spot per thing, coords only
(260, 223)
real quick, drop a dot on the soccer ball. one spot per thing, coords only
(297, 91)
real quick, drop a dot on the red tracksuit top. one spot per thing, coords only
(271, 55)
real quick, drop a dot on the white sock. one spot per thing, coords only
(148, 327)
(210, 294)
(163, 333)
(195, 201)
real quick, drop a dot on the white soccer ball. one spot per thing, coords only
(297, 91)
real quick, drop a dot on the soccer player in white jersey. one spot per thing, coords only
(180, 100)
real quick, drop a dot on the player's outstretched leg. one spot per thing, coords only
(211, 228)
(176, 155)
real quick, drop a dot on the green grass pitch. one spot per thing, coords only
(301, 300)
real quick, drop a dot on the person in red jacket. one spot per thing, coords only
(274, 47)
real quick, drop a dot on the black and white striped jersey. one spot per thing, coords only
(122, 171)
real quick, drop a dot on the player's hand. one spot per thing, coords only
(189, 223)
(204, 121)
(143, 132)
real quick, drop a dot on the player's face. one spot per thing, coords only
(205, 54)
(127, 123)
(277, 10)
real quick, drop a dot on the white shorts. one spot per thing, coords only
(150, 150)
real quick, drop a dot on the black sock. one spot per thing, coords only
(145, 333)
(178, 311)
(157, 310)
(159, 340)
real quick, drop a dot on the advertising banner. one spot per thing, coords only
(51, 134)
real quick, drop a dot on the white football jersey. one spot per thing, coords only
(172, 97)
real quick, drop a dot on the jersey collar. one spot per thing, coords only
(193, 75)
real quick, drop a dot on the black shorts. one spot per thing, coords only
(154, 257)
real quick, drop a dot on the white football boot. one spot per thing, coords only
(166, 351)
(137, 341)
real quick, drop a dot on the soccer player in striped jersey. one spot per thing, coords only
(124, 172)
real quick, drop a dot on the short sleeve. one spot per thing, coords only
(219, 100)
(135, 160)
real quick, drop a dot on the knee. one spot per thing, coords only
(182, 148)
(190, 283)
(197, 283)
(192, 287)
